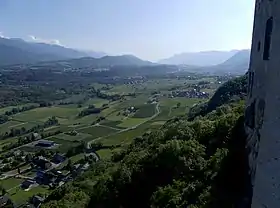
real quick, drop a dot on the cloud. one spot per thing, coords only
(48, 41)
(3, 36)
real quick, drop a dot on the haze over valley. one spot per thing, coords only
(17, 51)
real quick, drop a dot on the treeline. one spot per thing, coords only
(5, 117)
(183, 164)
(91, 109)
(20, 109)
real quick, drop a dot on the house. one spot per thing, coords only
(57, 158)
(27, 184)
(36, 136)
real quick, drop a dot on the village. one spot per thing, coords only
(45, 168)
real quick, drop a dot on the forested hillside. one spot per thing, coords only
(231, 91)
(183, 164)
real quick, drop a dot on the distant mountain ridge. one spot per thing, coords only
(94, 63)
(107, 61)
(18, 51)
(238, 63)
(203, 58)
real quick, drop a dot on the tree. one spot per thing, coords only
(69, 165)
(95, 145)
(3, 190)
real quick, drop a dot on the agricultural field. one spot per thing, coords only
(78, 137)
(114, 127)
(41, 114)
(130, 122)
(145, 111)
(10, 183)
(97, 131)
(19, 196)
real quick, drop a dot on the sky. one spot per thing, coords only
(149, 29)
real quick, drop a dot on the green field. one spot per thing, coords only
(115, 116)
(41, 114)
(146, 110)
(10, 183)
(10, 124)
(104, 153)
(64, 145)
(6, 127)
(178, 111)
(187, 102)
(76, 158)
(114, 124)
(97, 131)
(19, 196)
(78, 137)
(139, 100)
(8, 108)
(127, 136)
(131, 122)
(158, 123)
(96, 102)
(164, 114)
(121, 89)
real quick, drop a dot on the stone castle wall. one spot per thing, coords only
(263, 106)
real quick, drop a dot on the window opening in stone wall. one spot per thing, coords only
(251, 84)
(267, 40)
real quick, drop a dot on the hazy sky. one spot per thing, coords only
(149, 29)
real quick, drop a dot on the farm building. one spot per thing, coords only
(45, 143)
(27, 184)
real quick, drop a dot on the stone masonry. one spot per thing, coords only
(263, 106)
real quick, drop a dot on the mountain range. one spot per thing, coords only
(236, 64)
(18, 51)
(103, 62)
(203, 58)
